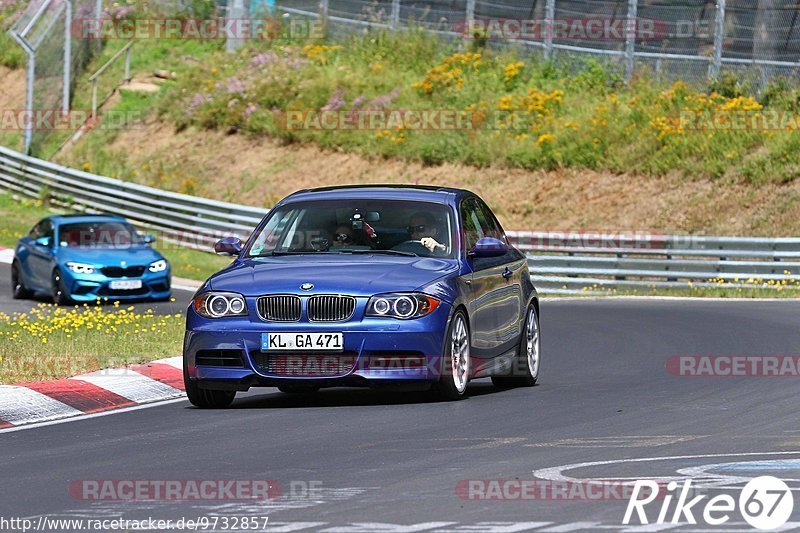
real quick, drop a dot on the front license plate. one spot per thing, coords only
(126, 284)
(327, 342)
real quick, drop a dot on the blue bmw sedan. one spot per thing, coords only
(80, 258)
(379, 286)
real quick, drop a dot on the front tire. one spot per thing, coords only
(456, 362)
(18, 289)
(204, 398)
(526, 368)
(57, 289)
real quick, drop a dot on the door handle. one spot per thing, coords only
(507, 273)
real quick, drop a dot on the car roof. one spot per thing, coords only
(429, 193)
(83, 217)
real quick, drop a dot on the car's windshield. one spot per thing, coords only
(396, 227)
(106, 234)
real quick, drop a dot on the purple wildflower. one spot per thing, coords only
(250, 109)
(235, 86)
(383, 101)
(336, 101)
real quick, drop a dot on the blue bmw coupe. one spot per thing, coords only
(80, 258)
(415, 287)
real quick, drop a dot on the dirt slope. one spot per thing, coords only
(258, 172)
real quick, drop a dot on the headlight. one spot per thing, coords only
(220, 304)
(158, 266)
(80, 268)
(402, 306)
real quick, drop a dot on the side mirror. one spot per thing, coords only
(43, 242)
(489, 247)
(148, 239)
(229, 246)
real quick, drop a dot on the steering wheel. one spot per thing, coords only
(412, 246)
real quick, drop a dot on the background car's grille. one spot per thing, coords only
(118, 272)
(317, 365)
(330, 308)
(279, 308)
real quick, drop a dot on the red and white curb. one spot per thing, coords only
(6, 255)
(96, 392)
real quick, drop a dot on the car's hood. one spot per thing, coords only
(357, 275)
(133, 256)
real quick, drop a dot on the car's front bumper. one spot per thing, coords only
(376, 351)
(91, 287)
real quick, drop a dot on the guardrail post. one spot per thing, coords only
(128, 65)
(324, 8)
(67, 58)
(549, 18)
(30, 77)
(631, 28)
(94, 99)
(395, 20)
(470, 14)
(719, 36)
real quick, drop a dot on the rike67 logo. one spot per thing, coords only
(765, 503)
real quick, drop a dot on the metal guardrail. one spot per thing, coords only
(559, 263)
(575, 263)
(185, 220)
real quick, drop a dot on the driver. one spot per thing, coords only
(422, 227)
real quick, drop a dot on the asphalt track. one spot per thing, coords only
(394, 459)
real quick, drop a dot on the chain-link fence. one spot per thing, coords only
(677, 39)
(55, 59)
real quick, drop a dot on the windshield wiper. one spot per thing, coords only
(288, 252)
(385, 252)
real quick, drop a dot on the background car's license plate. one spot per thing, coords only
(126, 284)
(331, 342)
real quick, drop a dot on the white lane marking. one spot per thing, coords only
(288, 527)
(186, 288)
(569, 528)
(382, 527)
(496, 527)
(623, 441)
(554, 473)
(6, 256)
(21, 405)
(130, 385)
(176, 362)
(92, 415)
(600, 298)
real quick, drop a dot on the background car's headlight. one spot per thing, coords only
(80, 268)
(403, 306)
(220, 304)
(158, 266)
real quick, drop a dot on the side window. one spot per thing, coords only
(491, 228)
(471, 220)
(43, 229)
(49, 230)
(36, 231)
